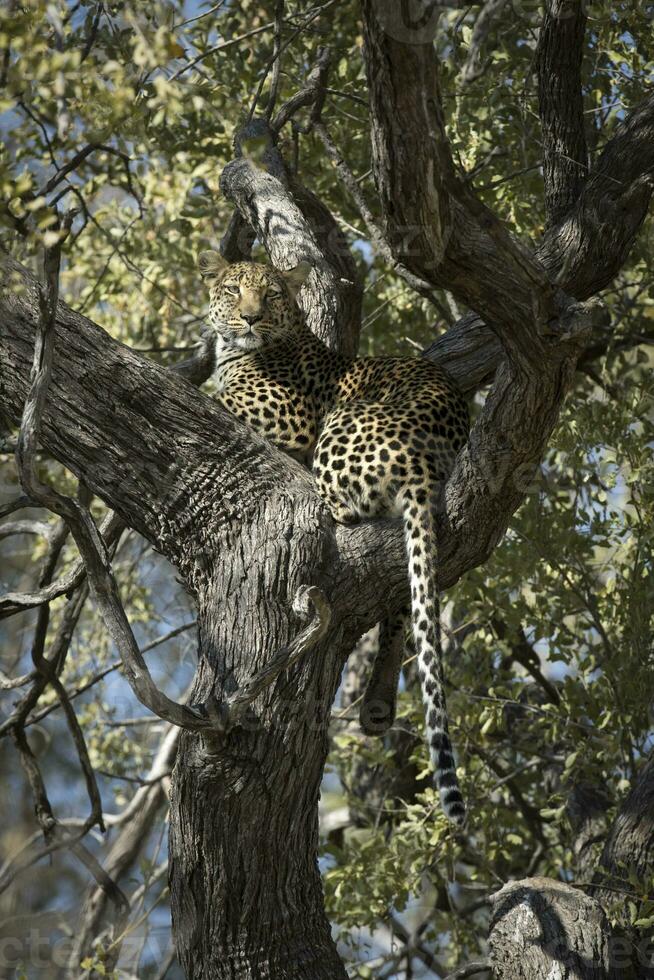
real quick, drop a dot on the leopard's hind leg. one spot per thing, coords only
(377, 712)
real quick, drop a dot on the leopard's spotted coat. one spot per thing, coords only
(381, 434)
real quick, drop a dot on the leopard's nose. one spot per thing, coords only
(251, 318)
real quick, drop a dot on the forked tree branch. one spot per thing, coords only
(436, 225)
(589, 246)
(483, 266)
(311, 94)
(482, 481)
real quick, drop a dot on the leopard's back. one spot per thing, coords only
(395, 419)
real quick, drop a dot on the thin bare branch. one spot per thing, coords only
(313, 15)
(474, 66)
(74, 163)
(206, 13)
(469, 970)
(276, 59)
(136, 822)
(101, 674)
(13, 602)
(223, 46)
(230, 712)
(311, 94)
(18, 503)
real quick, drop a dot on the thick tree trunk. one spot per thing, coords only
(242, 906)
(245, 528)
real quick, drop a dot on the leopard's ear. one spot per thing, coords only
(296, 277)
(211, 264)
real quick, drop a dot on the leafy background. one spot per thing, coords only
(549, 645)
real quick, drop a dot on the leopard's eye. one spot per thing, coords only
(231, 288)
(273, 292)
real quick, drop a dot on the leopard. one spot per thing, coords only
(380, 434)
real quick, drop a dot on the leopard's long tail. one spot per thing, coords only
(422, 550)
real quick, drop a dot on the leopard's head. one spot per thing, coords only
(251, 304)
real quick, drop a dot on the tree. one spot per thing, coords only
(122, 121)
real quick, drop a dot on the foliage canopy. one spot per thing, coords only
(126, 112)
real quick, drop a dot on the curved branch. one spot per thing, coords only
(544, 928)
(13, 602)
(473, 66)
(229, 713)
(136, 822)
(583, 252)
(311, 94)
(38, 528)
(236, 244)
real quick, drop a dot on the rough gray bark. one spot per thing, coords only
(558, 60)
(587, 247)
(240, 909)
(544, 928)
(629, 849)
